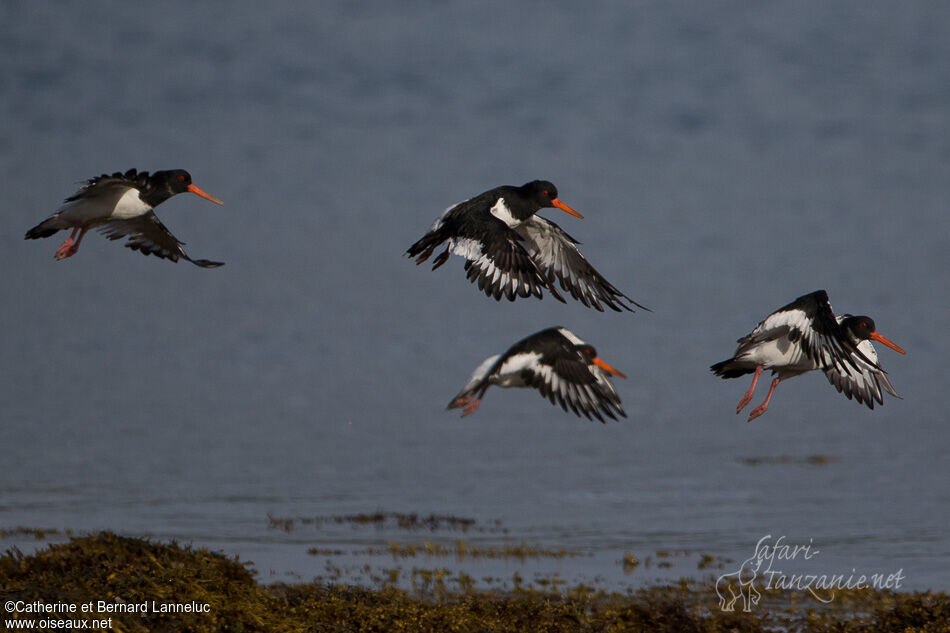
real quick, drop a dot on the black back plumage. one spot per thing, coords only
(562, 370)
(838, 346)
(146, 233)
(512, 252)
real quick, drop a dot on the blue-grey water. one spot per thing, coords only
(728, 157)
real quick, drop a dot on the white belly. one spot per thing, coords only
(95, 210)
(780, 354)
(503, 213)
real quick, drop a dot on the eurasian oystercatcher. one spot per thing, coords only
(121, 205)
(557, 363)
(806, 335)
(513, 252)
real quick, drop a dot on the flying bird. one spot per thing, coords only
(557, 363)
(806, 335)
(512, 252)
(121, 205)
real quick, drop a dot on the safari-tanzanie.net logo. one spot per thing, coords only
(763, 570)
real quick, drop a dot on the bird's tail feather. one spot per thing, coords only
(44, 229)
(730, 369)
(423, 248)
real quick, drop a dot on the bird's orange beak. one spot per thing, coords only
(563, 207)
(608, 368)
(198, 192)
(883, 341)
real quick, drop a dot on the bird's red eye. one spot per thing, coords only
(545, 192)
(864, 324)
(181, 179)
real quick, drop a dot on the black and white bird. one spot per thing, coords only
(557, 363)
(512, 252)
(806, 335)
(121, 205)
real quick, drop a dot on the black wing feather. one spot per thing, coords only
(149, 236)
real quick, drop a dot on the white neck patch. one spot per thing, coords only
(130, 205)
(503, 213)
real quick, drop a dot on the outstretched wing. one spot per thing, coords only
(147, 234)
(572, 383)
(108, 185)
(497, 261)
(555, 252)
(862, 378)
(809, 324)
(501, 267)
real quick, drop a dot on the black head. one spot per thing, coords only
(540, 191)
(862, 329)
(162, 185)
(174, 181)
(590, 357)
(587, 351)
(542, 194)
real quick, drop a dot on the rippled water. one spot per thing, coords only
(728, 158)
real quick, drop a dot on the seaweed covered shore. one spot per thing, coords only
(109, 582)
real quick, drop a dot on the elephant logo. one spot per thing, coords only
(740, 584)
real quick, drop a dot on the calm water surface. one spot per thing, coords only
(727, 158)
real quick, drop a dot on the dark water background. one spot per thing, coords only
(728, 158)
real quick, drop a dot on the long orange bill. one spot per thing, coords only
(563, 207)
(198, 192)
(608, 368)
(880, 339)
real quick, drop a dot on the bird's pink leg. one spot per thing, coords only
(759, 410)
(70, 248)
(471, 407)
(748, 394)
(469, 402)
(65, 246)
(78, 240)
